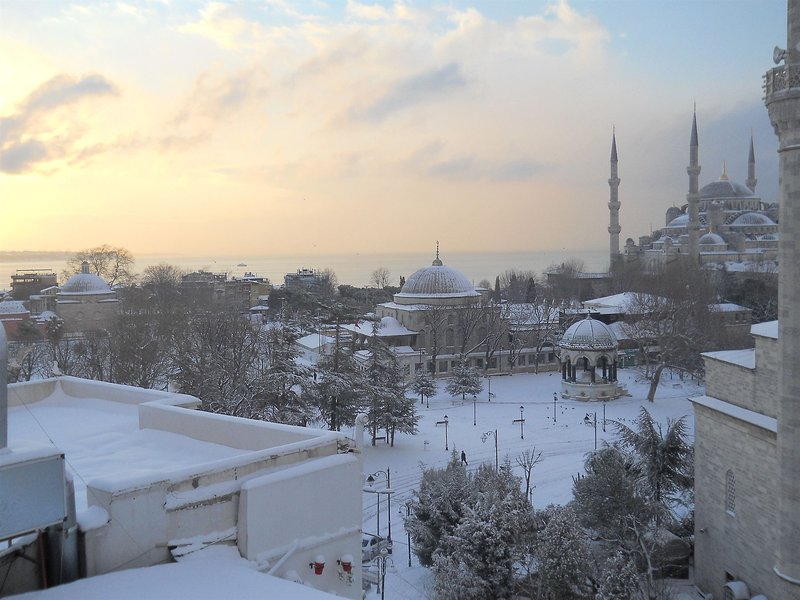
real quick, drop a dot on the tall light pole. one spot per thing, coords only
(489, 377)
(408, 531)
(521, 422)
(555, 399)
(446, 422)
(382, 559)
(485, 437)
(474, 410)
(388, 491)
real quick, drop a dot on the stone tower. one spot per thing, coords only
(751, 168)
(782, 97)
(613, 203)
(693, 197)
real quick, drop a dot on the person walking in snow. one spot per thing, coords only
(464, 458)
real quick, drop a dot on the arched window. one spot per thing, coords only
(730, 493)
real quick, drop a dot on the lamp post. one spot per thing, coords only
(408, 531)
(422, 369)
(521, 423)
(446, 422)
(485, 437)
(489, 377)
(388, 491)
(381, 561)
(604, 415)
(474, 410)
(555, 399)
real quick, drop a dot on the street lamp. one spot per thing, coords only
(555, 399)
(381, 561)
(446, 422)
(485, 437)
(388, 491)
(521, 422)
(474, 410)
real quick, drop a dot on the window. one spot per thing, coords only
(450, 338)
(730, 493)
(479, 363)
(442, 366)
(418, 367)
(450, 319)
(453, 364)
(493, 362)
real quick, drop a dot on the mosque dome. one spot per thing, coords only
(725, 188)
(711, 239)
(753, 218)
(439, 281)
(681, 221)
(589, 334)
(85, 283)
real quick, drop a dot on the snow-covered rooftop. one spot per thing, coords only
(12, 307)
(737, 412)
(388, 326)
(216, 572)
(727, 307)
(744, 358)
(314, 341)
(768, 329)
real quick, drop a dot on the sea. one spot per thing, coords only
(352, 269)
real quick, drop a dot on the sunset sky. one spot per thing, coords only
(317, 127)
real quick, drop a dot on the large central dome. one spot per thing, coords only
(436, 282)
(725, 188)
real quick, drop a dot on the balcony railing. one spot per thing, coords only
(780, 79)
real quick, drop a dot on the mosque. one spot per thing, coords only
(723, 222)
(438, 317)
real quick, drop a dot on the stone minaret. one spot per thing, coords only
(693, 197)
(751, 168)
(613, 203)
(782, 97)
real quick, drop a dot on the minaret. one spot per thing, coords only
(613, 203)
(751, 167)
(782, 97)
(693, 197)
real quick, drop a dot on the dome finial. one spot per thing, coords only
(85, 267)
(724, 176)
(437, 262)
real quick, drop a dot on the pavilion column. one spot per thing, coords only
(593, 373)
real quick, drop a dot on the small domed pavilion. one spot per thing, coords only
(589, 361)
(86, 302)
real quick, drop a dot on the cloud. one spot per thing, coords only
(469, 167)
(414, 90)
(31, 134)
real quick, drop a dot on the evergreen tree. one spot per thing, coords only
(563, 553)
(618, 579)
(465, 380)
(388, 407)
(497, 295)
(283, 402)
(437, 508)
(477, 560)
(423, 384)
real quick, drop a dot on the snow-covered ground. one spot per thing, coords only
(563, 443)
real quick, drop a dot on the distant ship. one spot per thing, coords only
(241, 265)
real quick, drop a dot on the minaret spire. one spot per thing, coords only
(693, 197)
(613, 202)
(751, 167)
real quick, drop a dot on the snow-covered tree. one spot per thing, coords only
(564, 561)
(437, 507)
(384, 388)
(282, 400)
(423, 385)
(477, 560)
(618, 579)
(464, 380)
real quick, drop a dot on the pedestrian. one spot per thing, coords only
(464, 458)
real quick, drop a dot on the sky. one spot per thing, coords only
(326, 127)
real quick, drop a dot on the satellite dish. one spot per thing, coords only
(778, 54)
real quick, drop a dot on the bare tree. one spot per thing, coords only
(527, 461)
(380, 277)
(435, 323)
(112, 263)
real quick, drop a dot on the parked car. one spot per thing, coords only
(371, 546)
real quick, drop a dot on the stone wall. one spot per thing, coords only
(740, 544)
(766, 383)
(731, 383)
